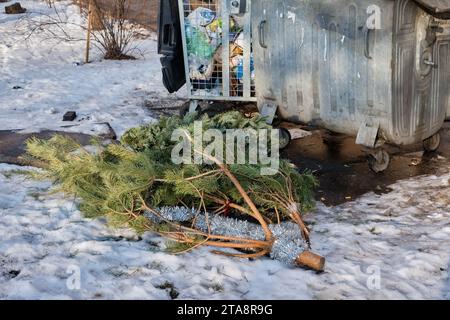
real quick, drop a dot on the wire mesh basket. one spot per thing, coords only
(218, 49)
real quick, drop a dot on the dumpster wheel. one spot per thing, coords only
(379, 160)
(285, 138)
(432, 144)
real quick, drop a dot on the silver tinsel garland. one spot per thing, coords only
(288, 244)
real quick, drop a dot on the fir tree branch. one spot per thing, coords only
(237, 184)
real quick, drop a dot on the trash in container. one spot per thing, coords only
(217, 49)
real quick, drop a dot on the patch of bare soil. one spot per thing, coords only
(12, 144)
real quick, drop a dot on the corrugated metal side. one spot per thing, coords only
(354, 81)
(315, 68)
(404, 60)
(322, 64)
(437, 6)
(420, 92)
(444, 68)
(442, 83)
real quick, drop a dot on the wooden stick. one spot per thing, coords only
(88, 35)
(184, 230)
(306, 259)
(303, 228)
(257, 215)
(229, 204)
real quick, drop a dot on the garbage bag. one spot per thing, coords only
(204, 30)
(201, 17)
(200, 69)
(239, 70)
(198, 43)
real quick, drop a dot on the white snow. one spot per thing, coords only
(394, 246)
(52, 83)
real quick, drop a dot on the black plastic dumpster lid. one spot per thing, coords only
(435, 6)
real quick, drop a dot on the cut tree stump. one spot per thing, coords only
(311, 260)
(15, 8)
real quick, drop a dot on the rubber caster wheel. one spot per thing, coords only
(432, 144)
(379, 161)
(285, 138)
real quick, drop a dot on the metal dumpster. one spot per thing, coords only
(376, 69)
(215, 41)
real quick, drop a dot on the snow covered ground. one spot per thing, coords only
(52, 78)
(395, 245)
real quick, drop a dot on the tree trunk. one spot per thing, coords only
(311, 260)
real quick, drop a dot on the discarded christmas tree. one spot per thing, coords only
(134, 183)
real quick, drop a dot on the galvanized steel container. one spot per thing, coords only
(378, 69)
